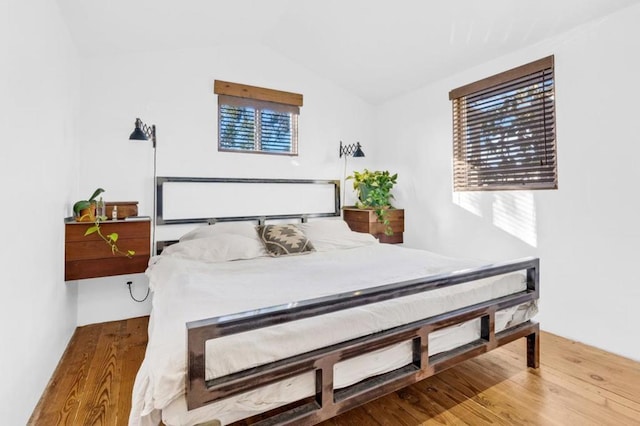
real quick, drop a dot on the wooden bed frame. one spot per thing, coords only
(328, 402)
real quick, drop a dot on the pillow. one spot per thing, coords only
(238, 228)
(281, 240)
(220, 248)
(334, 234)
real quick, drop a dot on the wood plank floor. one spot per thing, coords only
(576, 385)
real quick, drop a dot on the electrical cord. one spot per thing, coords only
(131, 293)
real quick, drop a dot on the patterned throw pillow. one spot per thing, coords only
(281, 240)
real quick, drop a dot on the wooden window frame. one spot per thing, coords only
(259, 99)
(497, 146)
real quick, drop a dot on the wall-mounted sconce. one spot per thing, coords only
(351, 150)
(346, 151)
(142, 132)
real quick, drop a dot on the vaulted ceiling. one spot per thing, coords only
(377, 49)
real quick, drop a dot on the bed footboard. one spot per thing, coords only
(328, 401)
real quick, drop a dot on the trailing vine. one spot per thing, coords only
(110, 239)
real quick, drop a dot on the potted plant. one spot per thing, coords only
(85, 211)
(374, 192)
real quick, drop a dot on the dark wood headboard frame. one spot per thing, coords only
(260, 219)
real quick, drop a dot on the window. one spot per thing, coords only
(504, 134)
(255, 119)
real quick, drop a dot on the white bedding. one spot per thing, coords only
(187, 290)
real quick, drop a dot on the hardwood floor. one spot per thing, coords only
(575, 385)
(93, 382)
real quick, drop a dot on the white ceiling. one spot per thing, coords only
(377, 49)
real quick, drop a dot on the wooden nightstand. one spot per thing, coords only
(91, 257)
(363, 220)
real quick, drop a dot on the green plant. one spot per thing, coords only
(374, 192)
(86, 205)
(84, 212)
(111, 239)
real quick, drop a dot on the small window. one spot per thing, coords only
(504, 134)
(254, 119)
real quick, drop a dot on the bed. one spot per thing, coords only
(238, 335)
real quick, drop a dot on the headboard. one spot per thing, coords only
(198, 200)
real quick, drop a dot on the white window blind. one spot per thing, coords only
(247, 124)
(504, 134)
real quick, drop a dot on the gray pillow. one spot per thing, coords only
(282, 240)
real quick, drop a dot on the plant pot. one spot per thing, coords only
(363, 192)
(87, 215)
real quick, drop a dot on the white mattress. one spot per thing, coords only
(185, 290)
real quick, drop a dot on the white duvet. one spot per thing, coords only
(187, 290)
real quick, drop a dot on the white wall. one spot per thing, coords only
(38, 173)
(174, 90)
(587, 232)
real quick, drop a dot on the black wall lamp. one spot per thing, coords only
(346, 151)
(142, 132)
(351, 150)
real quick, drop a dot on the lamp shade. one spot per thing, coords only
(358, 152)
(138, 135)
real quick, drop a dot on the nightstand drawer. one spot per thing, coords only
(91, 257)
(366, 221)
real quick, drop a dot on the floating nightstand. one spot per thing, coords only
(90, 257)
(366, 220)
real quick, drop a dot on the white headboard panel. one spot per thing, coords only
(182, 200)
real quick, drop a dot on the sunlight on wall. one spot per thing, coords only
(512, 212)
(515, 213)
(469, 201)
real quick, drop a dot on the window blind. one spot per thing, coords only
(504, 134)
(257, 126)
